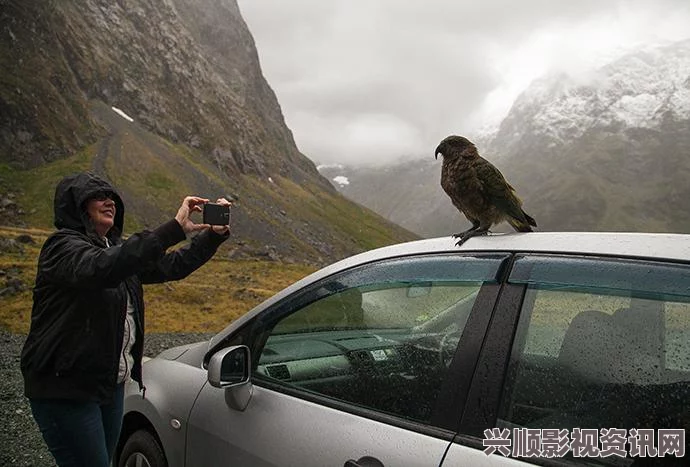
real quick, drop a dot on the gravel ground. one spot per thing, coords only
(21, 443)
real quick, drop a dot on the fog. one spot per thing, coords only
(372, 82)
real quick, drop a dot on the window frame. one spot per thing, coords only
(445, 423)
(496, 357)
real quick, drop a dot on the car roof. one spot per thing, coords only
(624, 244)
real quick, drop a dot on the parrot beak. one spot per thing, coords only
(439, 150)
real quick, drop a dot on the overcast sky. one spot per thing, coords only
(373, 81)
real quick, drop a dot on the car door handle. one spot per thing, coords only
(366, 461)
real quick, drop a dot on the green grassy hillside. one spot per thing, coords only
(193, 304)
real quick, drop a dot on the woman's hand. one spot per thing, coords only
(222, 229)
(189, 205)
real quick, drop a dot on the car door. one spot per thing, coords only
(587, 362)
(367, 367)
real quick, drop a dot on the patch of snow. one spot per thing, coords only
(270, 180)
(635, 91)
(341, 180)
(680, 102)
(637, 111)
(321, 167)
(122, 114)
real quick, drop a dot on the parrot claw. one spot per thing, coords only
(466, 235)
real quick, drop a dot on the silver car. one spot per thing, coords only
(545, 348)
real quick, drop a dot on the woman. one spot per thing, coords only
(87, 322)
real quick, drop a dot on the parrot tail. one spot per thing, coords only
(523, 225)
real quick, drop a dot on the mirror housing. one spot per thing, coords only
(230, 367)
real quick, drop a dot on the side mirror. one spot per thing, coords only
(230, 367)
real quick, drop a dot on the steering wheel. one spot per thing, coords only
(447, 346)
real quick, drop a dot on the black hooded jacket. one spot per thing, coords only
(80, 297)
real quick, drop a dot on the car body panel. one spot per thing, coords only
(464, 456)
(179, 352)
(330, 436)
(171, 388)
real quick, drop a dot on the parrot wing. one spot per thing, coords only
(500, 193)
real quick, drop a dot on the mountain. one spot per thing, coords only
(641, 90)
(186, 70)
(408, 194)
(607, 151)
(164, 98)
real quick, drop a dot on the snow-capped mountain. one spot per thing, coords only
(639, 90)
(608, 150)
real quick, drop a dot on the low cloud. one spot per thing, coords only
(364, 82)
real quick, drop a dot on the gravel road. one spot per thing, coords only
(21, 443)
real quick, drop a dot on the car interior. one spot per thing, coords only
(398, 371)
(611, 372)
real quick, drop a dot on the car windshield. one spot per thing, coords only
(386, 306)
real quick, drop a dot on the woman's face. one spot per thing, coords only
(101, 211)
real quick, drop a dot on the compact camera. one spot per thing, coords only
(216, 214)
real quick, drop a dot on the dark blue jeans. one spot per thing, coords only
(80, 434)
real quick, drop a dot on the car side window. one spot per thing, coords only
(380, 336)
(600, 344)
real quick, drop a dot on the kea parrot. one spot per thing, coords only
(478, 189)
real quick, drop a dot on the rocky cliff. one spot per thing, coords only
(187, 70)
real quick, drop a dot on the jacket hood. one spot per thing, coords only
(71, 193)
